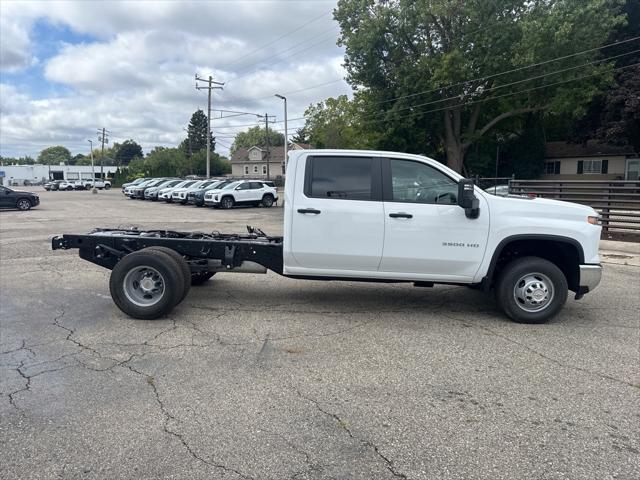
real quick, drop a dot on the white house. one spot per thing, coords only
(37, 174)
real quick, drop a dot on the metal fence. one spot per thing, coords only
(617, 201)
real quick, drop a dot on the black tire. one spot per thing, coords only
(531, 290)
(171, 278)
(267, 200)
(182, 265)
(227, 202)
(23, 204)
(107, 186)
(200, 278)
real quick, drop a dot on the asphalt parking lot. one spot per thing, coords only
(263, 377)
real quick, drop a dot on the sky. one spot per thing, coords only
(68, 68)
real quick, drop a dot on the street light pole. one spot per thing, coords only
(93, 170)
(286, 136)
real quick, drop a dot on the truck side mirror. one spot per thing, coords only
(466, 198)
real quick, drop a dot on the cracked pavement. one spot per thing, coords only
(263, 377)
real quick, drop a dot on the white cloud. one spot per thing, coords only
(137, 78)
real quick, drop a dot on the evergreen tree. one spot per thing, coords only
(197, 134)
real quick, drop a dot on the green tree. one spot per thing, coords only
(54, 155)
(614, 115)
(26, 160)
(434, 68)
(523, 155)
(335, 123)
(301, 136)
(219, 165)
(256, 137)
(127, 151)
(197, 133)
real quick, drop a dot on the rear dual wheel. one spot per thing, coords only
(147, 284)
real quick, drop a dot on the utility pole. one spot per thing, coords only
(209, 86)
(103, 137)
(93, 170)
(286, 134)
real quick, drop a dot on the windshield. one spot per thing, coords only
(231, 185)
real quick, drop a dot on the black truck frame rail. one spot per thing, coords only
(106, 247)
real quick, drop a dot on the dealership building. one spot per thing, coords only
(18, 175)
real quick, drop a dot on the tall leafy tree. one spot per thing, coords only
(256, 137)
(614, 115)
(127, 151)
(433, 70)
(197, 133)
(335, 123)
(54, 155)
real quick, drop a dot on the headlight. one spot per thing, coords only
(594, 220)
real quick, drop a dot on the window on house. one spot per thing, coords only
(246, 170)
(255, 169)
(593, 166)
(264, 169)
(551, 168)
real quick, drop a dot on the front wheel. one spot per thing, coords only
(531, 290)
(226, 202)
(23, 204)
(107, 186)
(267, 201)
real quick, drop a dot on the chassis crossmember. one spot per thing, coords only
(106, 247)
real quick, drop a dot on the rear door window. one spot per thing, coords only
(344, 178)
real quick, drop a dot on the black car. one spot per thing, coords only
(16, 199)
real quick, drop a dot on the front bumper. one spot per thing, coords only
(590, 276)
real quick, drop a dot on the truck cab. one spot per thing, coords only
(399, 217)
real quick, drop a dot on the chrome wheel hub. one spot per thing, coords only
(144, 286)
(533, 292)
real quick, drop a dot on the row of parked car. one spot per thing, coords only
(77, 185)
(216, 193)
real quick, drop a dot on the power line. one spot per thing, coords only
(487, 77)
(275, 40)
(484, 100)
(293, 92)
(498, 87)
(282, 60)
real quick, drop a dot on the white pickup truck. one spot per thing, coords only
(376, 216)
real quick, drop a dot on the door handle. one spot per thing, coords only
(309, 210)
(400, 215)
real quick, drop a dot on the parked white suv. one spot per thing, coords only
(99, 184)
(242, 192)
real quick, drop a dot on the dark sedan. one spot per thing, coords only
(16, 199)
